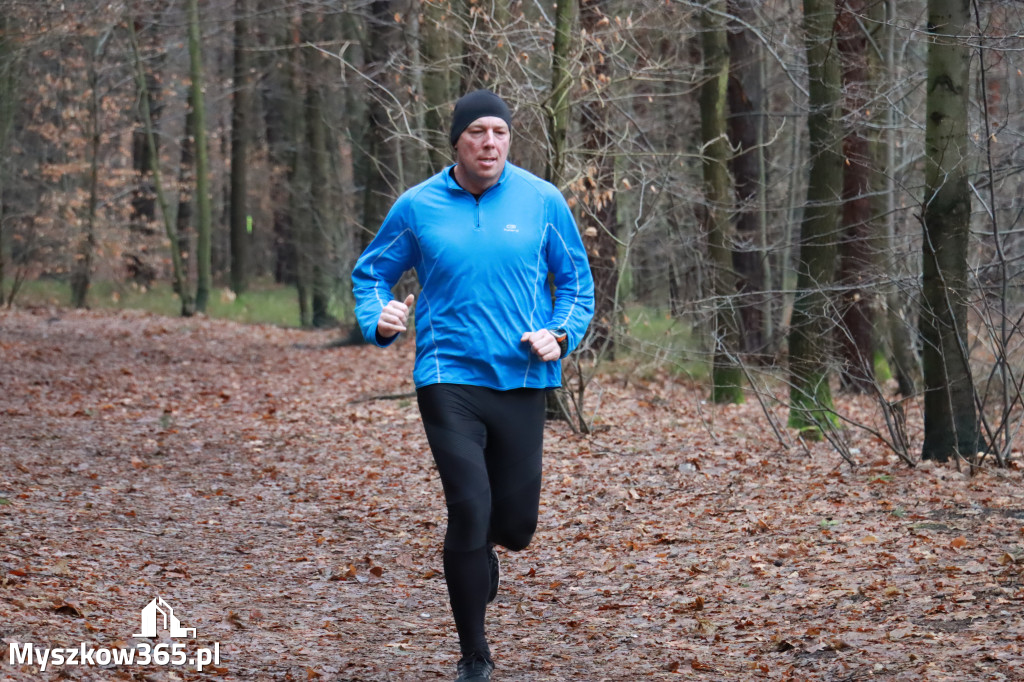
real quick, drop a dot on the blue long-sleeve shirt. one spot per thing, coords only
(483, 265)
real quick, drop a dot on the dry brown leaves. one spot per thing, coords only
(228, 471)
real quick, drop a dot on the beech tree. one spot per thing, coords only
(746, 123)
(598, 208)
(382, 178)
(323, 219)
(180, 281)
(558, 106)
(858, 243)
(727, 376)
(81, 271)
(8, 97)
(204, 216)
(810, 395)
(895, 331)
(950, 415)
(241, 136)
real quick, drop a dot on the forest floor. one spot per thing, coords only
(253, 481)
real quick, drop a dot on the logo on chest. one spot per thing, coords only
(511, 228)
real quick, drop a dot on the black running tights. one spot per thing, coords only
(487, 447)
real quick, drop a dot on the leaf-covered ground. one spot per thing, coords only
(239, 473)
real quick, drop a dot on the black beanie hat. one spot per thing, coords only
(474, 105)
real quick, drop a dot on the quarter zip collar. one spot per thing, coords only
(455, 187)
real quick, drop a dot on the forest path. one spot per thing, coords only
(222, 468)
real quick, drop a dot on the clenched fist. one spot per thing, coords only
(393, 317)
(543, 343)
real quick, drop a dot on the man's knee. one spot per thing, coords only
(467, 524)
(515, 538)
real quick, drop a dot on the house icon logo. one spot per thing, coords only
(170, 621)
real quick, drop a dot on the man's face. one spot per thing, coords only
(480, 153)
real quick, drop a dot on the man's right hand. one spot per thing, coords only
(393, 317)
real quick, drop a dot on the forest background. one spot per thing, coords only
(785, 198)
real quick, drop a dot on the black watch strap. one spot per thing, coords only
(563, 340)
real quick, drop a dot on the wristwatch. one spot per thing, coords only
(563, 340)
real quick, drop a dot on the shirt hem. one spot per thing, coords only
(484, 384)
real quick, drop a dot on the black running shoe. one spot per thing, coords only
(475, 666)
(492, 562)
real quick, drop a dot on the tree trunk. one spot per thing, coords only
(950, 417)
(382, 179)
(561, 82)
(746, 134)
(413, 36)
(180, 280)
(81, 272)
(338, 196)
(810, 395)
(322, 223)
(858, 247)
(352, 110)
(438, 84)
(241, 134)
(727, 375)
(321, 219)
(278, 102)
(598, 213)
(143, 204)
(881, 65)
(186, 193)
(8, 101)
(299, 217)
(203, 208)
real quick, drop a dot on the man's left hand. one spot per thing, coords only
(543, 343)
